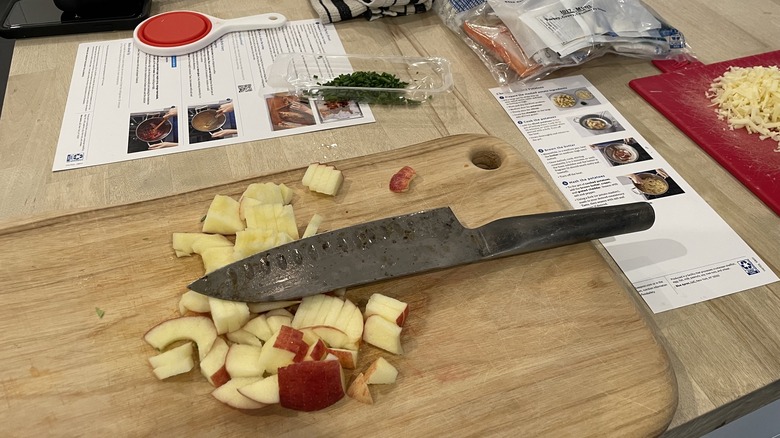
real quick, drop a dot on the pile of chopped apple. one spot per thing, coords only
(291, 353)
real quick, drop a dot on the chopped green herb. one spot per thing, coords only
(366, 79)
(99, 312)
(203, 218)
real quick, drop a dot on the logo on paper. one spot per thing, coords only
(74, 157)
(748, 266)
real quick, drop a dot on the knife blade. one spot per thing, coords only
(408, 244)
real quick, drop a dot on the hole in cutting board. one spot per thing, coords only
(488, 160)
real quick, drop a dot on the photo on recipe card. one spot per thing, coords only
(621, 152)
(212, 121)
(152, 130)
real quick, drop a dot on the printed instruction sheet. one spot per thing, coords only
(124, 104)
(597, 158)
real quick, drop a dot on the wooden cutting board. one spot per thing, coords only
(679, 94)
(539, 344)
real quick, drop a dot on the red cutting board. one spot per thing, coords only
(680, 96)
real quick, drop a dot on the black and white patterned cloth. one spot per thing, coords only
(331, 11)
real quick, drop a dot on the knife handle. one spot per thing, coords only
(522, 234)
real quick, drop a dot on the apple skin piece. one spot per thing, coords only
(311, 386)
(359, 390)
(244, 361)
(381, 372)
(289, 339)
(259, 327)
(402, 179)
(173, 362)
(213, 365)
(382, 333)
(199, 329)
(222, 216)
(228, 316)
(389, 308)
(347, 358)
(265, 391)
(193, 302)
(317, 351)
(271, 305)
(242, 336)
(229, 395)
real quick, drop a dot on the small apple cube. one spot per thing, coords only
(382, 333)
(272, 358)
(381, 372)
(347, 358)
(242, 336)
(244, 361)
(215, 258)
(359, 390)
(266, 193)
(223, 216)
(173, 362)
(228, 316)
(311, 386)
(317, 351)
(193, 302)
(199, 329)
(182, 243)
(265, 391)
(289, 339)
(389, 308)
(254, 240)
(213, 365)
(207, 241)
(287, 193)
(228, 393)
(277, 321)
(323, 179)
(259, 327)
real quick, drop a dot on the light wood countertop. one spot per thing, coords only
(725, 352)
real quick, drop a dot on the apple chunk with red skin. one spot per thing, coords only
(213, 365)
(311, 386)
(199, 329)
(388, 308)
(228, 393)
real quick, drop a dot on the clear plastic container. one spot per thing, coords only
(304, 74)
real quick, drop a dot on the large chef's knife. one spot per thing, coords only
(408, 244)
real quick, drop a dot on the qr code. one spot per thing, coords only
(748, 266)
(74, 157)
(245, 88)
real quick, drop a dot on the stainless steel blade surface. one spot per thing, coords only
(405, 245)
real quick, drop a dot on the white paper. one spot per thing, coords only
(690, 254)
(115, 88)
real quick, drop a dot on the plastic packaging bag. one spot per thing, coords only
(525, 40)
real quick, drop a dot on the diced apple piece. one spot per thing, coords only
(275, 322)
(313, 226)
(244, 361)
(265, 391)
(317, 351)
(334, 312)
(272, 358)
(322, 178)
(382, 333)
(213, 365)
(254, 240)
(215, 258)
(280, 312)
(381, 372)
(222, 216)
(261, 216)
(289, 339)
(347, 358)
(311, 386)
(389, 308)
(354, 328)
(359, 390)
(309, 174)
(228, 393)
(193, 302)
(173, 362)
(287, 193)
(332, 184)
(182, 243)
(242, 336)
(207, 241)
(228, 316)
(259, 327)
(285, 220)
(271, 305)
(331, 307)
(199, 329)
(307, 310)
(332, 336)
(245, 204)
(266, 193)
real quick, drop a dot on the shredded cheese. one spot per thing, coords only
(749, 98)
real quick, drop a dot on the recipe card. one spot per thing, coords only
(124, 104)
(597, 158)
